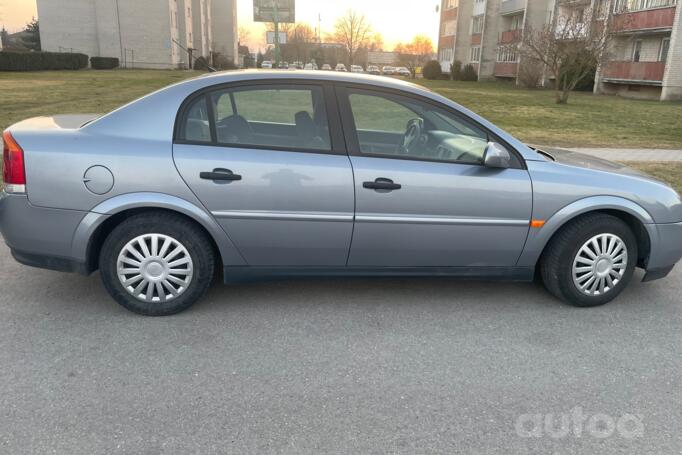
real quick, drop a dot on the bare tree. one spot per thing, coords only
(570, 48)
(353, 31)
(415, 53)
(243, 35)
(300, 41)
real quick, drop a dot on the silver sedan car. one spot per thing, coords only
(271, 175)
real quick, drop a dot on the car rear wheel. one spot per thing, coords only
(156, 264)
(590, 261)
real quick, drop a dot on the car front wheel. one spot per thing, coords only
(156, 264)
(590, 261)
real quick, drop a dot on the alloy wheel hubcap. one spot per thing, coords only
(600, 264)
(154, 268)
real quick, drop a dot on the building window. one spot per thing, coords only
(637, 50)
(446, 55)
(621, 6)
(516, 22)
(449, 28)
(507, 54)
(475, 54)
(477, 24)
(449, 4)
(663, 54)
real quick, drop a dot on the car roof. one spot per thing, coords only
(352, 78)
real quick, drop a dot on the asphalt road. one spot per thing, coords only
(418, 366)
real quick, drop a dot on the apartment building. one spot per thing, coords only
(142, 34)
(645, 59)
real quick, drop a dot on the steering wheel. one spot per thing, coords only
(412, 134)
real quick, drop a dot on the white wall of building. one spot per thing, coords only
(141, 33)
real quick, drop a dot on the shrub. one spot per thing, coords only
(432, 70)
(39, 61)
(469, 73)
(456, 70)
(103, 63)
(223, 63)
(530, 73)
(201, 64)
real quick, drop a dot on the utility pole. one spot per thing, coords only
(276, 17)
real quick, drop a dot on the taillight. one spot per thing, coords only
(13, 174)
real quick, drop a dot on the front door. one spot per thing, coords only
(423, 197)
(261, 158)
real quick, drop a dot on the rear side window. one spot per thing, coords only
(196, 126)
(269, 117)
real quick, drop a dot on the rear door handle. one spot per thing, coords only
(382, 184)
(220, 175)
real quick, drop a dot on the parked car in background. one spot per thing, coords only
(373, 69)
(311, 66)
(389, 70)
(270, 175)
(326, 67)
(266, 64)
(356, 69)
(298, 65)
(402, 71)
(283, 65)
(341, 67)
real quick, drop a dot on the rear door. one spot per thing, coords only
(433, 203)
(264, 159)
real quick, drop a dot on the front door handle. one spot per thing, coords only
(382, 184)
(220, 175)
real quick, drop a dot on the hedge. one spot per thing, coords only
(103, 63)
(38, 61)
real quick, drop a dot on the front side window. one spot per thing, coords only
(395, 126)
(290, 117)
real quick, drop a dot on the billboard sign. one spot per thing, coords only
(264, 11)
(271, 37)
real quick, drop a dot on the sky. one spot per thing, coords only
(396, 20)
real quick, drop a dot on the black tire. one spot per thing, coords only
(556, 264)
(181, 229)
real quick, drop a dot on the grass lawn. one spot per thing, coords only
(588, 120)
(24, 95)
(531, 115)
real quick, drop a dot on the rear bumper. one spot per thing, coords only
(38, 236)
(666, 250)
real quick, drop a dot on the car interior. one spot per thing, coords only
(411, 128)
(262, 117)
(295, 117)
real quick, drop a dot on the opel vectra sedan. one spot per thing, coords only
(271, 175)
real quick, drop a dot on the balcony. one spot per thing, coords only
(509, 36)
(505, 69)
(512, 6)
(651, 19)
(650, 73)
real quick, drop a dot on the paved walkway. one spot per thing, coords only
(614, 154)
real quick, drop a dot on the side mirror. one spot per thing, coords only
(497, 156)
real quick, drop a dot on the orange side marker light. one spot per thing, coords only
(537, 224)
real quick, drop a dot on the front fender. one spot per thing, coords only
(94, 219)
(538, 238)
